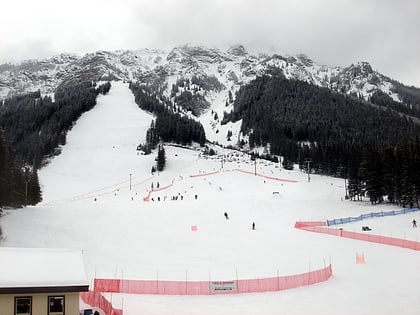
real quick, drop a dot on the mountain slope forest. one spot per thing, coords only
(376, 148)
(169, 125)
(33, 128)
(374, 142)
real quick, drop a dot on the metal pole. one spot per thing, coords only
(26, 192)
(345, 186)
(130, 181)
(255, 166)
(308, 169)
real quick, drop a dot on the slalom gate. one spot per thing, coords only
(96, 299)
(162, 287)
(320, 227)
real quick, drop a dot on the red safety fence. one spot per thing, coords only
(147, 198)
(268, 177)
(163, 287)
(248, 172)
(368, 237)
(205, 174)
(96, 299)
(302, 224)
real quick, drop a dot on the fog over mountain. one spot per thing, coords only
(335, 33)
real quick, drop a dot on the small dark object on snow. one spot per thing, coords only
(366, 228)
(226, 216)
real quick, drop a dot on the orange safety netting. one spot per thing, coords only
(163, 287)
(205, 174)
(96, 299)
(319, 227)
(147, 198)
(268, 177)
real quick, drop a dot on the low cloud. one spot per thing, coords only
(382, 32)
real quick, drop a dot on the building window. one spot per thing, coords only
(56, 305)
(23, 305)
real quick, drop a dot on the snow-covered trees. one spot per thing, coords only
(342, 135)
(168, 126)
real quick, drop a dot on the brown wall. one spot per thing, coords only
(40, 303)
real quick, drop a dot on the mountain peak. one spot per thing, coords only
(237, 50)
(305, 60)
(192, 56)
(360, 68)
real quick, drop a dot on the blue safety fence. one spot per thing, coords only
(371, 215)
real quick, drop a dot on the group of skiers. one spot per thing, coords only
(173, 198)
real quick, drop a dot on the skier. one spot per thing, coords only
(226, 216)
(414, 223)
(253, 225)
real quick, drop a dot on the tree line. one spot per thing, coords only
(19, 184)
(33, 129)
(370, 143)
(169, 125)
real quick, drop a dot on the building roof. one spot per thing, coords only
(26, 270)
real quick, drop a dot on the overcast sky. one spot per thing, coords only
(385, 33)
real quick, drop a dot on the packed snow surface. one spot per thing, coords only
(93, 200)
(35, 267)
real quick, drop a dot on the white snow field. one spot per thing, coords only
(88, 205)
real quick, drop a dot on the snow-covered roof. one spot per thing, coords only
(42, 268)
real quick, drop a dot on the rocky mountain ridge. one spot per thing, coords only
(232, 67)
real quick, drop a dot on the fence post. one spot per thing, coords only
(237, 282)
(122, 284)
(186, 282)
(209, 286)
(309, 273)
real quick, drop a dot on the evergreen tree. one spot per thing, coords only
(12, 177)
(5, 167)
(355, 190)
(404, 189)
(389, 176)
(373, 176)
(161, 158)
(33, 190)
